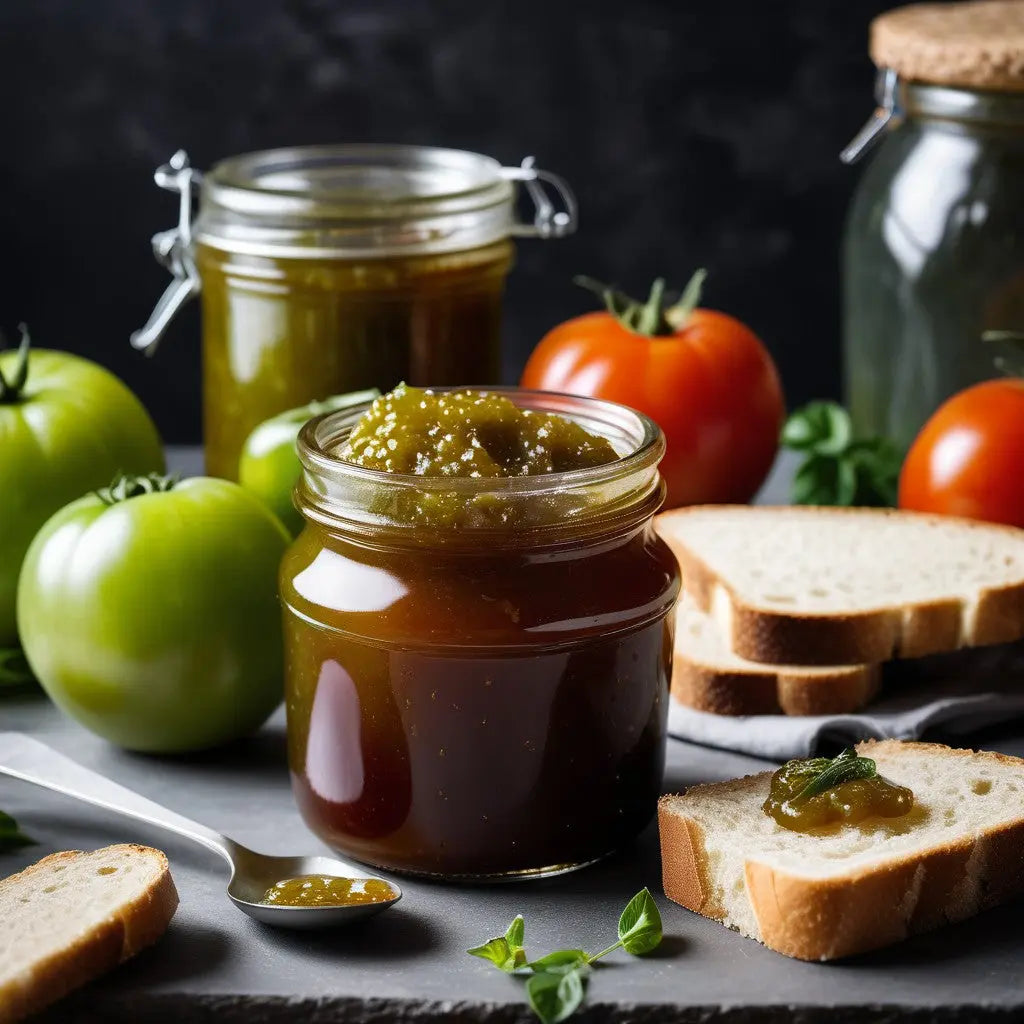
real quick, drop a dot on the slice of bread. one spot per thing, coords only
(847, 889)
(707, 676)
(73, 916)
(831, 586)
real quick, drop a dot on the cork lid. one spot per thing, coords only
(977, 45)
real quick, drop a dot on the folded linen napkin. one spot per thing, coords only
(959, 693)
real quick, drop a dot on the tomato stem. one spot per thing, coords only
(125, 487)
(650, 319)
(12, 387)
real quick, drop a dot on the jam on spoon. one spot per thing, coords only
(327, 891)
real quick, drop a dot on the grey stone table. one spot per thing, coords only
(409, 964)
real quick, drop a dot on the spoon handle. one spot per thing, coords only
(25, 758)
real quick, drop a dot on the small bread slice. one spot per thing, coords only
(848, 889)
(73, 916)
(836, 586)
(707, 676)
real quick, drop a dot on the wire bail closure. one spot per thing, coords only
(172, 250)
(887, 114)
(548, 220)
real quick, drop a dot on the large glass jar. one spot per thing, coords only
(335, 268)
(481, 700)
(933, 254)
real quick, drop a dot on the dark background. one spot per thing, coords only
(694, 134)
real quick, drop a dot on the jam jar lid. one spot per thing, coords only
(353, 201)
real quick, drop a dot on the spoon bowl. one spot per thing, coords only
(252, 873)
(255, 873)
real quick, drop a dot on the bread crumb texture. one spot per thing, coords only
(848, 889)
(72, 916)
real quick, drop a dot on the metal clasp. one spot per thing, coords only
(886, 114)
(173, 249)
(548, 220)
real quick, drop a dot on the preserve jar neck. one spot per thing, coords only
(969, 108)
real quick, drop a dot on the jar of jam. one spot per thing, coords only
(479, 695)
(328, 269)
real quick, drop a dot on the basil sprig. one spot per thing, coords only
(11, 836)
(838, 468)
(828, 772)
(557, 982)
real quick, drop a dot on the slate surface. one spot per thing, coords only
(409, 964)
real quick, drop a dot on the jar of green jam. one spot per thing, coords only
(933, 255)
(477, 667)
(329, 269)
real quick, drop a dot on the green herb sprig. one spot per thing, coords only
(828, 772)
(557, 982)
(11, 836)
(838, 468)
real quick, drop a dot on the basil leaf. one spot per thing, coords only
(554, 997)
(515, 933)
(823, 428)
(816, 481)
(14, 671)
(847, 767)
(11, 836)
(560, 961)
(497, 952)
(640, 924)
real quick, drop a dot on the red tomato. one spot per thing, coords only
(703, 376)
(968, 459)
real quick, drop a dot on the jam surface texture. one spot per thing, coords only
(815, 792)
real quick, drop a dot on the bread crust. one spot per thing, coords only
(137, 924)
(825, 919)
(773, 691)
(776, 637)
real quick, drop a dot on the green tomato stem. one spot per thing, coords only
(126, 487)
(11, 388)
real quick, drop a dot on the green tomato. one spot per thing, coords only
(269, 464)
(149, 612)
(67, 426)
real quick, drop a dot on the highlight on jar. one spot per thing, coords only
(477, 632)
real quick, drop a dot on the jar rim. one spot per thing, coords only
(636, 437)
(351, 199)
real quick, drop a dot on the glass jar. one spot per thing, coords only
(330, 269)
(481, 701)
(933, 253)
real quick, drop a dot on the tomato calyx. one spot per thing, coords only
(652, 318)
(126, 487)
(12, 387)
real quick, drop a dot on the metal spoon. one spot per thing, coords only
(252, 873)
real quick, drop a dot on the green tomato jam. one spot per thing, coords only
(469, 434)
(327, 891)
(847, 803)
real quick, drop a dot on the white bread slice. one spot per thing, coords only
(73, 916)
(848, 889)
(706, 675)
(836, 586)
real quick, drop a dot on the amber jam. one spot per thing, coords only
(484, 697)
(797, 802)
(327, 891)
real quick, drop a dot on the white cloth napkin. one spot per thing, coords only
(959, 693)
